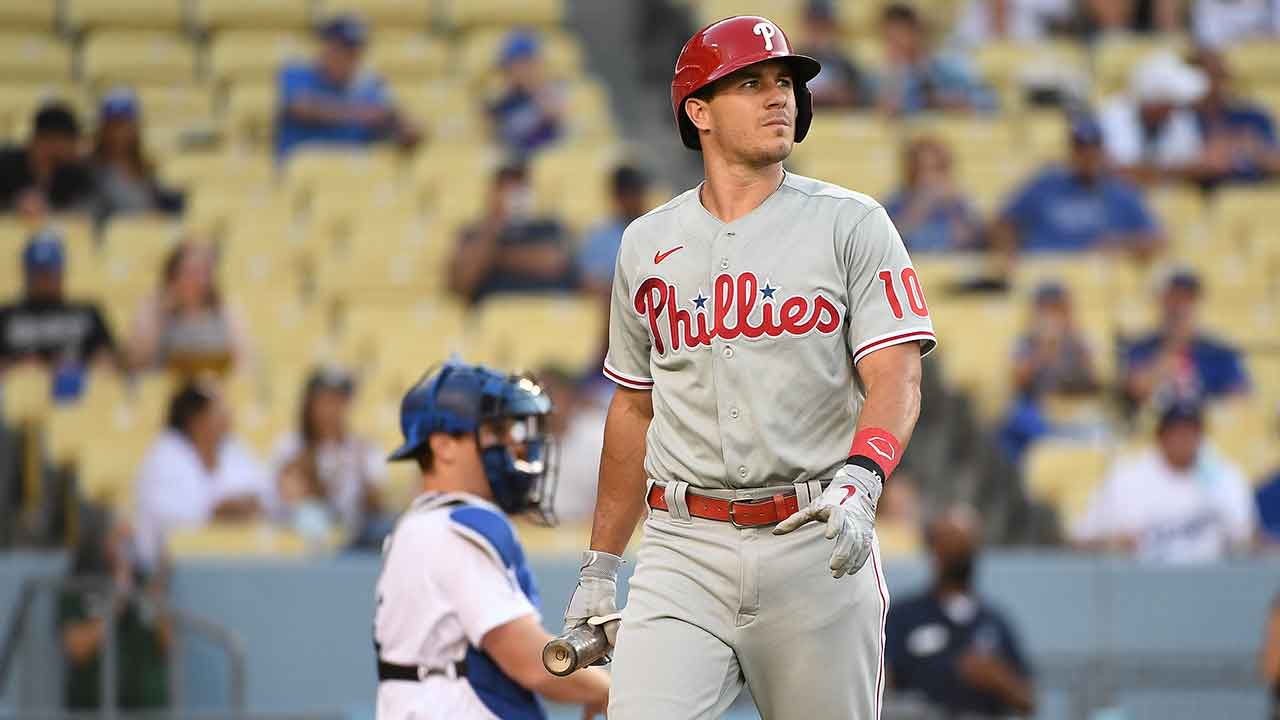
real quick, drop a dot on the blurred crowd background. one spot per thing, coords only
(233, 232)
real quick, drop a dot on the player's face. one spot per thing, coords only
(752, 115)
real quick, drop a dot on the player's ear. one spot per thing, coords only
(444, 448)
(699, 112)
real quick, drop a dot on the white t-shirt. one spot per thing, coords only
(1177, 143)
(1187, 516)
(579, 465)
(176, 490)
(344, 469)
(443, 587)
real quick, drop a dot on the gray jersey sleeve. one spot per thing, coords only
(886, 301)
(627, 361)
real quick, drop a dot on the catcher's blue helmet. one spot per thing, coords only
(457, 399)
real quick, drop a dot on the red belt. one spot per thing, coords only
(742, 513)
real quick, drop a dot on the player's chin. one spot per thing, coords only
(774, 150)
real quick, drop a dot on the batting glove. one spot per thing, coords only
(848, 507)
(596, 597)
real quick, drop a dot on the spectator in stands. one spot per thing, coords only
(42, 326)
(528, 113)
(1118, 17)
(335, 102)
(48, 175)
(1179, 359)
(1080, 207)
(948, 644)
(1022, 21)
(1268, 500)
(1238, 137)
(512, 249)
(125, 180)
(1221, 23)
(1150, 132)
(188, 325)
(1176, 502)
(195, 473)
(326, 475)
(930, 211)
(577, 422)
(628, 188)
(1050, 358)
(841, 83)
(914, 79)
(143, 632)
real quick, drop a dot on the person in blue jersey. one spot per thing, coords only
(334, 101)
(456, 626)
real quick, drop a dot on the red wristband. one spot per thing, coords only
(880, 446)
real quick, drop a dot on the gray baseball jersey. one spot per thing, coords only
(749, 333)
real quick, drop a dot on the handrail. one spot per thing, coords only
(223, 637)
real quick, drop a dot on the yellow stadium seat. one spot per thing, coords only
(220, 14)
(116, 444)
(1116, 57)
(284, 333)
(873, 171)
(375, 268)
(176, 105)
(478, 53)
(1003, 63)
(1064, 474)
(1247, 432)
(249, 116)
(93, 14)
(787, 14)
(452, 113)
(1255, 63)
(1180, 210)
(222, 171)
(310, 169)
(533, 332)
(33, 57)
(255, 55)
(400, 14)
(990, 184)
(1044, 135)
(967, 138)
(34, 15)
(589, 117)
(977, 337)
(565, 170)
(133, 254)
(335, 211)
(1268, 97)
(1246, 218)
(368, 329)
(472, 13)
(239, 540)
(26, 395)
(137, 57)
(406, 56)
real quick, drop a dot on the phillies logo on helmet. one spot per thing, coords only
(766, 31)
(738, 307)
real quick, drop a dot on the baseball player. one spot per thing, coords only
(765, 336)
(456, 626)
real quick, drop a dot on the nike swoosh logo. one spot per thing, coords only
(659, 257)
(849, 492)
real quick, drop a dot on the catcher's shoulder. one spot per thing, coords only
(822, 191)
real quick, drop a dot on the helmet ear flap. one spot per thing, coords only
(804, 110)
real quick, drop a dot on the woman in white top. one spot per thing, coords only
(326, 475)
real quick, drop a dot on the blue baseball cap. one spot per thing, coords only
(519, 45)
(1085, 130)
(346, 29)
(1181, 410)
(118, 104)
(43, 252)
(1184, 279)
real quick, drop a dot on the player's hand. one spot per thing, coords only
(597, 592)
(848, 507)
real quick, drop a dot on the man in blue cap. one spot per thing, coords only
(456, 629)
(333, 101)
(1083, 206)
(42, 327)
(527, 116)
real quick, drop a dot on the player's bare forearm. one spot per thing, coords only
(620, 498)
(891, 377)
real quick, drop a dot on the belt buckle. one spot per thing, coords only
(733, 517)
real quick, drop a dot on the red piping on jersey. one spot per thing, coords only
(633, 383)
(895, 339)
(884, 616)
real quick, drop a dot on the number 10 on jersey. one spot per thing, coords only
(911, 284)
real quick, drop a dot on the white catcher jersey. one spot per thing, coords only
(749, 333)
(445, 583)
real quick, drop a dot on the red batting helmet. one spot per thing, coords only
(727, 46)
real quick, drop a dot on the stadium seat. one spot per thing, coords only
(978, 336)
(478, 54)
(990, 184)
(874, 171)
(589, 118)
(406, 56)
(135, 57)
(399, 14)
(1247, 432)
(249, 116)
(222, 171)
(451, 111)
(787, 14)
(968, 139)
(1245, 218)
(262, 262)
(286, 333)
(562, 171)
(241, 540)
(37, 15)
(257, 14)
(466, 14)
(84, 15)
(27, 395)
(335, 211)
(185, 106)
(255, 55)
(375, 266)
(1005, 64)
(113, 451)
(132, 257)
(533, 332)
(1255, 64)
(436, 326)
(1044, 135)
(1115, 58)
(1064, 474)
(460, 175)
(310, 169)
(33, 57)
(1181, 212)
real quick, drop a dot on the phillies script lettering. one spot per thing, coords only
(730, 313)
